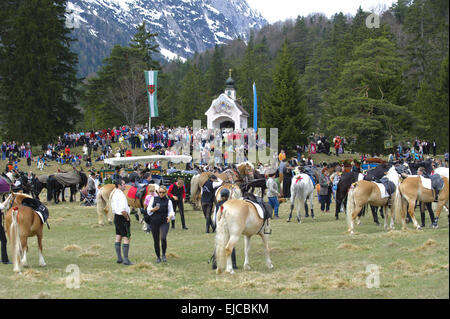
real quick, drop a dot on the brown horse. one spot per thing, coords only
(104, 205)
(22, 222)
(412, 190)
(238, 175)
(238, 217)
(360, 194)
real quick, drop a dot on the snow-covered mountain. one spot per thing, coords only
(183, 26)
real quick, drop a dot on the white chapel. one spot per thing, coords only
(225, 111)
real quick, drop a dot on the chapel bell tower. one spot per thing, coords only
(229, 88)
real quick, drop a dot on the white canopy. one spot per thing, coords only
(146, 159)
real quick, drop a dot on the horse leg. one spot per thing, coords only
(266, 250)
(305, 204)
(302, 204)
(438, 213)
(41, 256)
(228, 250)
(246, 251)
(355, 215)
(23, 240)
(310, 197)
(411, 207)
(292, 206)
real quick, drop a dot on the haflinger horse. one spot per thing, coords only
(104, 202)
(238, 217)
(365, 192)
(22, 222)
(412, 190)
(360, 194)
(239, 174)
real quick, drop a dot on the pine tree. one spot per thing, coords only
(367, 104)
(37, 71)
(285, 108)
(144, 41)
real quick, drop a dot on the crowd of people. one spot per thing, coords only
(214, 150)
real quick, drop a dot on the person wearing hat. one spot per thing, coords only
(208, 196)
(272, 192)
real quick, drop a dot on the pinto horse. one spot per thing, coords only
(104, 203)
(412, 189)
(22, 222)
(238, 217)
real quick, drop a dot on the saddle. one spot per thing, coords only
(265, 206)
(138, 193)
(38, 207)
(388, 185)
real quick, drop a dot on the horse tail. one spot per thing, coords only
(194, 190)
(222, 238)
(350, 204)
(16, 244)
(397, 205)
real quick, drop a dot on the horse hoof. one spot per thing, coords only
(247, 267)
(288, 221)
(270, 266)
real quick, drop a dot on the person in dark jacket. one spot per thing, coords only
(208, 196)
(160, 210)
(177, 194)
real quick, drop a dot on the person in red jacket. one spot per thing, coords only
(177, 194)
(128, 153)
(337, 144)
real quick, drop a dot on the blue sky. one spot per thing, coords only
(280, 10)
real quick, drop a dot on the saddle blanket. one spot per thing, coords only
(382, 189)
(258, 208)
(132, 192)
(426, 182)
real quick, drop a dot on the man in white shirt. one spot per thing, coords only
(121, 211)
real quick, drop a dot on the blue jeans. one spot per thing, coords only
(273, 201)
(3, 156)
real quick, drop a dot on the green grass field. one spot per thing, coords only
(316, 259)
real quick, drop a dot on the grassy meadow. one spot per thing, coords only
(316, 259)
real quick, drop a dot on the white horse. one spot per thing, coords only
(301, 189)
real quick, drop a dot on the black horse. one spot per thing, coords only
(259, 181)
(38, 184)
(55, 188)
